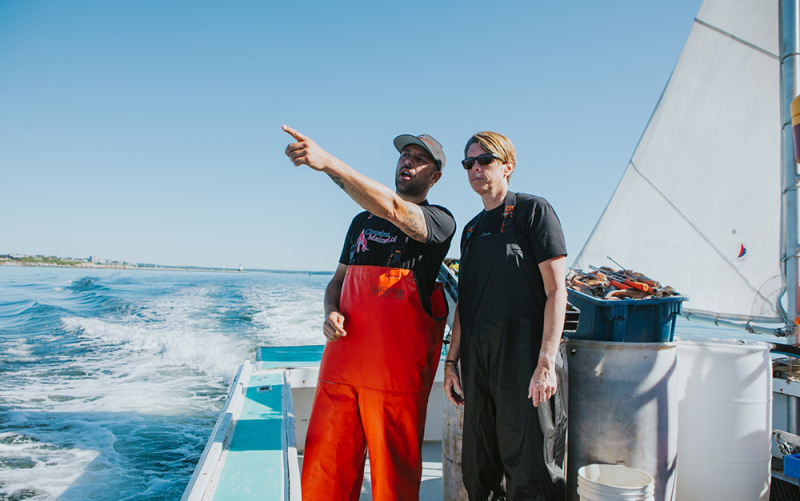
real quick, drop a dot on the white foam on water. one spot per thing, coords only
(176, 330)
(146, 381)
(40, 467)
(88, 456)
(288, 317)
(19, 350)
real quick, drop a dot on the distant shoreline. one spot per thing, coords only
(91, 266)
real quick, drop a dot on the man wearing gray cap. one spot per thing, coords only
(384, 321)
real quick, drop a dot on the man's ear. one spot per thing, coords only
(509, 169)
(436, 176)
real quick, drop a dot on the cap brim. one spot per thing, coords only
(404, 140)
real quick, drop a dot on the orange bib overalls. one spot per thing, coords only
(373, 389)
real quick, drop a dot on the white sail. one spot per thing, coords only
(704, 180)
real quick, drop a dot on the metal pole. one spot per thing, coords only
(790, 87)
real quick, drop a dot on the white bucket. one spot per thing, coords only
(614, 482)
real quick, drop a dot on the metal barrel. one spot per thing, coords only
(452, 435)
(623, 409)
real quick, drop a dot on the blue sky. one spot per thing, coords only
(150, 131)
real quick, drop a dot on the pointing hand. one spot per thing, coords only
(305, 151)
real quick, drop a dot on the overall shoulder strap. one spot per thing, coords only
(396, 254)
(470, 231)
(508, 213)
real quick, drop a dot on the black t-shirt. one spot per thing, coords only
(536, 221)
(486, 290)
(373, 241)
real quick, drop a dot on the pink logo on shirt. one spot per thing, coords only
(361, 243)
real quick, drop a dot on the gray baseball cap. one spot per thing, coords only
(431, 145)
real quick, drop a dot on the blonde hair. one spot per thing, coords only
(497, 144)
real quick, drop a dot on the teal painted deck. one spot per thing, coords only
(272, 357)
(254, 465)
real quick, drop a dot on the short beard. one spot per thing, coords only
(413, 189)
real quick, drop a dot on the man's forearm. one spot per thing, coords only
(454, 352)
(378, 199)
(332, 294)
(369, 194)
(554, 314)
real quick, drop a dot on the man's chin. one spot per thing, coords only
(479, 188)
(408, 191)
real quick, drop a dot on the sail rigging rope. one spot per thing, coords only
(737, 39)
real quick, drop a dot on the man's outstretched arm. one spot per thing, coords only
(369, 194)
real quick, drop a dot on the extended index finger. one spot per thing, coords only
(293, 133)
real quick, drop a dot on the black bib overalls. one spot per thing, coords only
(501, 309)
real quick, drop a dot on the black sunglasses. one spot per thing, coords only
(483, 160)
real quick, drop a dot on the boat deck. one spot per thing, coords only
(253, 450)
(257, 441)
(254, 446)
(783, 491)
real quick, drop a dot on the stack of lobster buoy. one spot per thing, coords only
(610, 284)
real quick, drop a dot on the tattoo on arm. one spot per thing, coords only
(415, 227)
(337, 181)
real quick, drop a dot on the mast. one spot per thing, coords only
(789, 26)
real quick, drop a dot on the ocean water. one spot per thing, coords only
(111, 380)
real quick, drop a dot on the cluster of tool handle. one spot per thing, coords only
(608, 283)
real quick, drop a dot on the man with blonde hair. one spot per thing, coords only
(507, 330)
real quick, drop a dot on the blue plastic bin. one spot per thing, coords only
(626, 320)
(791, 465)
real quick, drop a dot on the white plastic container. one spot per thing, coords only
(606, 482)
(724, 420)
